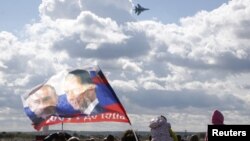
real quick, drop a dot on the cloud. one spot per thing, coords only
(182, 100)
(119, 10)
(56, 9)
(125, 86)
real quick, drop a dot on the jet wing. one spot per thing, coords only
(138, 12)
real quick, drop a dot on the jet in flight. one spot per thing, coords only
(138, 9)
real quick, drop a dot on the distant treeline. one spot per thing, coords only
(16, 134)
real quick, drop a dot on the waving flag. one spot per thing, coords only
(79, 95)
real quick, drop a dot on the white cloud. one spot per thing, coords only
(125, 86)
(130, 66)
(119, 10)
(60, 8)
(152, 86)
(7, 40)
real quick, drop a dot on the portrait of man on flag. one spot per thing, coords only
(41, 103)
(80, 95)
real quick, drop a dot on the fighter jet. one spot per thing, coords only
(138, 9)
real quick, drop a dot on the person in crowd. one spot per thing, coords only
(173, 135)
(129, 136)
(194, 138)
(179, 137)
(217, 119)
(160, 129)
(91, 139)
(149, 137)
(58, 136)
(109, 138)
(73, 139)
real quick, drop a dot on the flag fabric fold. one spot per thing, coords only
(74, 96)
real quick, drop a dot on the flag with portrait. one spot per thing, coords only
(73, 96)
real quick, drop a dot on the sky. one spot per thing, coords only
(181, 59)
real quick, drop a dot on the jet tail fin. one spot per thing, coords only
(138, 5)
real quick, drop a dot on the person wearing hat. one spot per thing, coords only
(217, 119)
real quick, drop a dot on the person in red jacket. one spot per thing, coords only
(217, 119)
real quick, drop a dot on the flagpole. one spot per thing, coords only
(134, 132)
(62, 126)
